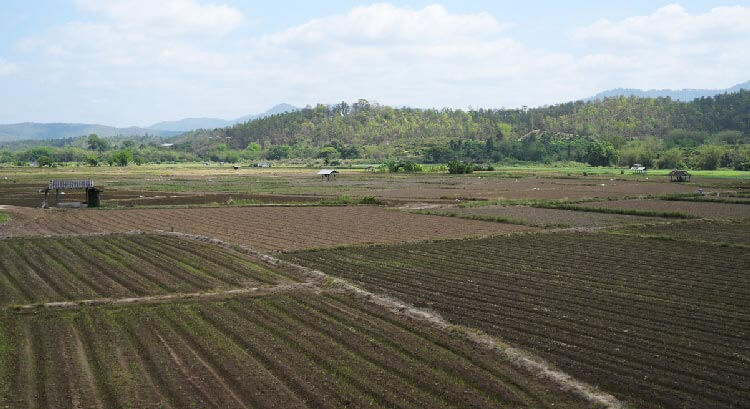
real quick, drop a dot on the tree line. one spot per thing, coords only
(706, 133)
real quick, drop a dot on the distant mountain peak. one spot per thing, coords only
(684, 95)
(189, 124)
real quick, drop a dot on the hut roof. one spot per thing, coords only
(677, 172)
(70, 184)
(327, 171)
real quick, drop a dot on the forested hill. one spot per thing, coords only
(364, 124)
(680, 94)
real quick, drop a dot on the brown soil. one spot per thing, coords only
(661, 324)
(555, 217)
(489, 188)
(266, 228)
(701, 209)
(734, 233)
(290, 351)
(36, 270)
(28, 195)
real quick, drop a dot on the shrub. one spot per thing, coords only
(456, 167)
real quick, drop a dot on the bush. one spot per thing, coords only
(405, 167)
(456, 167)
(708, 157)
(671, 159)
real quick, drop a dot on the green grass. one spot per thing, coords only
(697, 197)
(4, 217)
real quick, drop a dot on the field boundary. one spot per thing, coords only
(519, 358)
(168, 298)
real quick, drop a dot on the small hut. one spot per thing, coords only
(92, 193)
(677, 175)
(264, 164)
(638, 168)
(328, 174)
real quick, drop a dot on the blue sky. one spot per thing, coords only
(136, 62)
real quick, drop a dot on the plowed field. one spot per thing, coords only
(554, 217)
(662, 324)
(34, 270)
(706, 210)
(281, 351)
(266, 228)
(736, 233)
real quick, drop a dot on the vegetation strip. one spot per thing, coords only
(518, 357)
(632, 212)
(489, 218)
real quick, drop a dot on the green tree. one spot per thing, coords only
(708, 157)
(121, 157)
(601, 153)
(95, 143)
(671, 159)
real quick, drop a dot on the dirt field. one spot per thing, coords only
(713, 211)
(736, 233)
(661, 324)
(554, 217)
(36, 270)
(265, 228)
(281, 351)
(436, 188)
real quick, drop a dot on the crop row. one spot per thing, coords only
(660, 323)
(288, 351)
(266, 228)
(56, 269)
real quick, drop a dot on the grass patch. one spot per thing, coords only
(348, 200)
(632, 212)
(697, 197)
(4, 217)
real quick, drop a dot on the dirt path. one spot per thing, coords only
(168, 298)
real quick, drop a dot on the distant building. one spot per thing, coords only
(264, 164)
(638, 168)
(328, 174)
(679, 176)
(166, 145)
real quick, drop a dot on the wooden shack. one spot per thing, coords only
(92, 193)
(677, 175)
(328, 174)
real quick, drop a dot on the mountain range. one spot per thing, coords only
(685, 95)
(189, 124)
(41, 131)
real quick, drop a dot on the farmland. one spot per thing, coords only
(265, 228)
(171, 295)
(290, 351)
(708, 210)
(536, 216)
(723, 232)
(658, 323)
(34, 270)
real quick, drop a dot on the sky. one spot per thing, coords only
(137, 62)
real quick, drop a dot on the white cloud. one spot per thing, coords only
(386, 24)
(171, 17)
(182, 58)
(672, 47)
(7, 68)
(671, 24)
